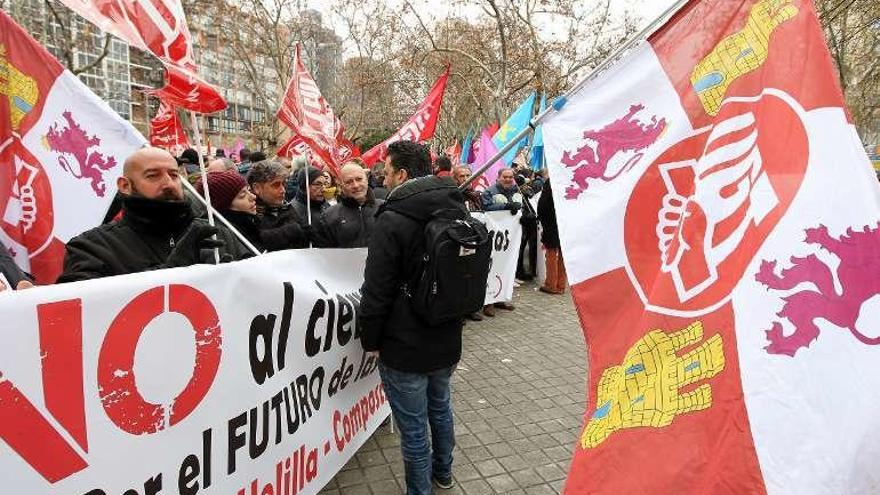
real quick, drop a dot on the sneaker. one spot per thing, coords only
(517, 283)
(444, 484)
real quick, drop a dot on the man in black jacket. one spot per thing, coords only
(280, 226)
(348, 224)
(416, 360)
(158, 228)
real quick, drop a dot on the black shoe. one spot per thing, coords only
(476, 316)
(444, 484)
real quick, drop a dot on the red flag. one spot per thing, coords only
(61, 150)
(493, 128)
(166, 131)
(295, 146)
(159, 27)
(454, 153)
(308, 114)
(419, 127)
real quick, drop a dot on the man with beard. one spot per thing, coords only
(158, 228)
(348, 223)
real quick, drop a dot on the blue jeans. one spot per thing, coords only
(419, 399)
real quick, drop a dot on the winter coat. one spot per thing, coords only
(347, 224)
(317, 209)
(388, 323)
(547, 216)
(246, 223)
(140, 241)
(281, 227)
(497, 198)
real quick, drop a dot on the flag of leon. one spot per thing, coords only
(61, 150)
(719, 220)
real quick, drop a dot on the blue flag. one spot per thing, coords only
(466, 152)
(536, 157)
(514, 124)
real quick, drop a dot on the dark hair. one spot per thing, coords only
(443, 163)
(244, 154)
(265, 171)
(257, 156)
(410, 156)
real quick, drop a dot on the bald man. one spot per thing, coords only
(348, 223)
(158, 228)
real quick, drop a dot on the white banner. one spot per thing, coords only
(506, 235)
(235, 379)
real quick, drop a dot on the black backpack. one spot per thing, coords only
(452, 280)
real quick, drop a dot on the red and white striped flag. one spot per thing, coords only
(159, 27)
(305, 111)
(61, 150)
(719, 220)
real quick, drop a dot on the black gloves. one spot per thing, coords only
(196, 246)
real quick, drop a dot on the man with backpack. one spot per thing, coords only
(426, 268)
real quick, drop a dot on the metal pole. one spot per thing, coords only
(195, 124)
(248, 244)
(560, 102)
(308, 203)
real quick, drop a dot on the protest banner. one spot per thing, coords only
(505, 234)
(719, 221)
(182, 381)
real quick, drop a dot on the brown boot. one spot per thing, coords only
(505, 306)
(489, 310)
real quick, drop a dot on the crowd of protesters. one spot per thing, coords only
(158, 221)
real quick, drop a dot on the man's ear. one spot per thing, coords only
(123, 184)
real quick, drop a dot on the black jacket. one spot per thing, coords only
(281, 227)
(140, 241)
(246, 223)
(317, 209)
(388, 323)
(547, 216)
(347, 224)
(10, 270)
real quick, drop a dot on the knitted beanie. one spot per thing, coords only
(224, 187)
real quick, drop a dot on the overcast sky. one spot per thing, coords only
(646, 9)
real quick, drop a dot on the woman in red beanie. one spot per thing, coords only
(231, 197)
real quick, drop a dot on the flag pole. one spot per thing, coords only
(560, 102)
(195, 125)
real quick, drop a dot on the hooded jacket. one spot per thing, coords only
(347, 224)
(140, 241)
(388, 323)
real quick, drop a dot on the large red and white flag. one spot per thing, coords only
(419, 127)
(305, 111)
(61, 150)
(166, 131)
(719, 220)
(159, 27)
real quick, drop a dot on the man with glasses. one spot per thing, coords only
(315, 196)
(280, 225)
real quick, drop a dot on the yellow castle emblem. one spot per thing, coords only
(20, 90)
(645, 389)
(740, 53)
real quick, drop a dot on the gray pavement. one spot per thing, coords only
(519, 398)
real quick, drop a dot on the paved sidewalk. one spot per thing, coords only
(518, 395)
